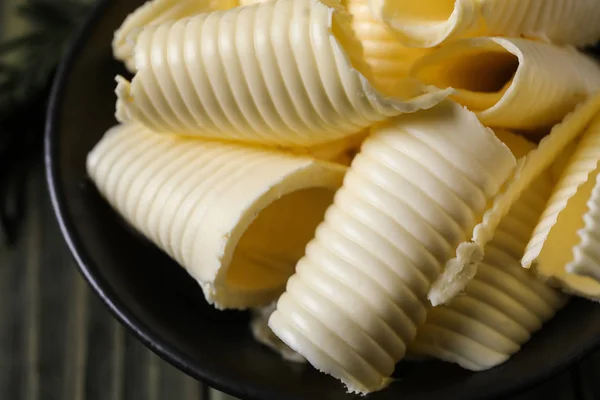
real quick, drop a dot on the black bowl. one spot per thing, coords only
(165, 308)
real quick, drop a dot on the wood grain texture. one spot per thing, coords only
(57, 340)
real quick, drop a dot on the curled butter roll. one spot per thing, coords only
(503, 305)
(512, 83)
(428, 23)
(236, 218)
(388, 59)
(156, 12)
(414, 192)
(563, 247)
(560, 139)
(283, 73)
(529, 168)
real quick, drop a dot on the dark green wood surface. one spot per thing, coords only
(57, 340)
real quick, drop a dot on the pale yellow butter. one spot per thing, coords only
(517, 144)
(503, 305)
(529, 168)
(459, 270)
(387, 58)
(586, 258)
(512, 83)
(534, 164)
(282, 73)
(428, 23)
(236, 218)
(157, 12)
(563, 247)
(341, 151)
(414, 192)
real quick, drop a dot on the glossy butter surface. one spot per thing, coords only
(462, 268)
(564, 240)
(560, 140)
(416, 189)
(388, 59)
(156, 12)
(503, 305)
(428, 23)
(236, 218)
(512, 83)
(282, 73)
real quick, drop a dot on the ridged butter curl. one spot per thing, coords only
(429, 23)
(503, 305)
(282, 73)
(563, 247)
(237, 218)
(388, 59)
(157, 12)
(512, 83)
(414, 192)
(529, 168)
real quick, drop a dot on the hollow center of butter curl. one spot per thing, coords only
(481, 76)
(558, 249)
(417, 12)
(517, 144)
(269, 249)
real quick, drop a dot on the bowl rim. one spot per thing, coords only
(88, 268)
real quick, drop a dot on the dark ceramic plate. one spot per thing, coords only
(165, 308)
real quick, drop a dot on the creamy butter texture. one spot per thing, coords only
(586, 260)
(360, 291)
(236, 218)
(564, 245)
(157, 12)
(459, 270)
(504, 304)
(512, 83)
(388, 59)
(361, 175)
(428, 23)
(282, 73)
(531, 166)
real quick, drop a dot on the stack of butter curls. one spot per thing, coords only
(374, 179)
